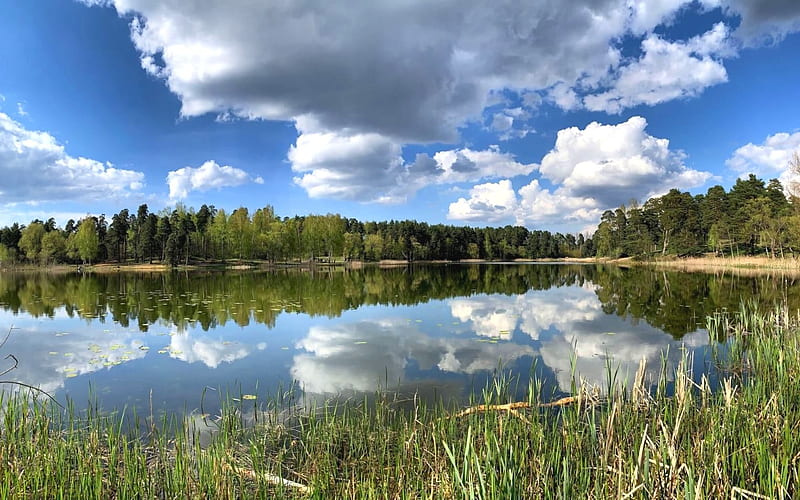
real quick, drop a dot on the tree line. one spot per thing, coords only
(752, 218)
(185, 235)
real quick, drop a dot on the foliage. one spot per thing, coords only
(752, 218)
(184, 235)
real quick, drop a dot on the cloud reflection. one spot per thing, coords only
(48, 355)
(210, 352)
(365, 355)
(570, 326)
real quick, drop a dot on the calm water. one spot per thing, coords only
(436, 330)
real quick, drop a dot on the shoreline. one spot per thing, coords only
(752, 264)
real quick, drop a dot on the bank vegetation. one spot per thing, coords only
(732, 433)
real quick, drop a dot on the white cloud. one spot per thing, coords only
(769, 159)
(596, 168)
(207, 176)
(763, 20)
(491, 202)
(370, 168)
(610, 162)
(404, 71)
(666, 71)
(384, 75)
(34, 167)
(364, 167)
(21, 109)
(510, 123)
(647, 14)
(501, 122)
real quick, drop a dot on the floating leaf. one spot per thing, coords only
(249, 396)
(68, 354)
(360, 342)
(162, 351)
(144, 348)
(53, 353)
(71, 375)
(285, 348)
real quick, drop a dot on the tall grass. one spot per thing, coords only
(740, 264)
(652, 441)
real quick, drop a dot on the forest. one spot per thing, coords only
(752, 218)
(185, 235)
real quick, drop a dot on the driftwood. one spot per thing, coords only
(269, 478)
(513, 407)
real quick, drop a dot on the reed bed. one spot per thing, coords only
(789, 264)
(675, 437)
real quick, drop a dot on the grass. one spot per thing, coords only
(741, 263)
(672, 438)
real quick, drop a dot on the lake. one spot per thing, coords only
(437, 331)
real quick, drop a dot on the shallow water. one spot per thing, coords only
(437, 331)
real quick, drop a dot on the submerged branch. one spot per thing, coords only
(16, 382)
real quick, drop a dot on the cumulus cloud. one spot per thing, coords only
(666, 71)
(209, 175)
(414, 73)
(598, 167)
(763, 20)
(768, 159)
(405, 71)
(647, 14)
(376, 78)
(490, 202)
(34, 167)
(370, 168)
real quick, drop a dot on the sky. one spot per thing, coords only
(540, 113)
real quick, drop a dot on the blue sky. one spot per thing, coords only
(479, 113)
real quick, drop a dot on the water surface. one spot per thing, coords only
(437, 331)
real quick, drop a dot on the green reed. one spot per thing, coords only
(672, 437)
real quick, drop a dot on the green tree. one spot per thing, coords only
(219, 234)
(53, 247)
(87, 241)
(241, 230)
(373, 247)
(7, 255)
(353, 246)
(31, 240)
